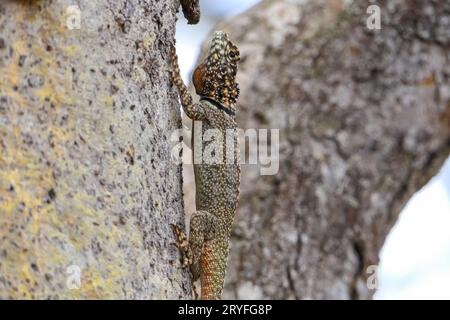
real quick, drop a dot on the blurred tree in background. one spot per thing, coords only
(365, 122)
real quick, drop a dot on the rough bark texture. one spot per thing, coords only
(86, 176)
(364, 119)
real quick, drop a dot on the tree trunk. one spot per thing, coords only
(364, 119)
(87, 184)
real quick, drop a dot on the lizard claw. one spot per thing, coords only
(183, 246)
(194, 288)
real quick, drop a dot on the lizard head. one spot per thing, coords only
(215, 77)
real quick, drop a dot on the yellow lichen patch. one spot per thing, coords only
(107, 100)
(71, 50)
(68, 193)
(110, 281)
(23, 292)
(7, 206)
(46, 92)
(11, 75)
(25, 273)
(92, 284)
(83, 205)
(58, 138)
(57, 86)
(27, 202)
(92, 288)
(56, 90)
(24, 184)
(20, 47)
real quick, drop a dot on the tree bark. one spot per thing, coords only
(87, 181)
(364, 119)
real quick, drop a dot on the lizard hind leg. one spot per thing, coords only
(182, 245)
(186, 252)
(202, 228)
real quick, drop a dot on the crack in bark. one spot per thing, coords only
(358, 248)
(291, 282)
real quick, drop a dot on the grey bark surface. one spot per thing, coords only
(364, 119)
(87, 183)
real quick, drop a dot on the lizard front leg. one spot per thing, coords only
(191, 10)
(202, 229)
(194, 111)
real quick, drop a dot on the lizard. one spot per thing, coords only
(216, 182)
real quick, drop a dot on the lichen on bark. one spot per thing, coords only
(86, 175)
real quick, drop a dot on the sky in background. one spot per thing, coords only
(415, 260)
(190, 37)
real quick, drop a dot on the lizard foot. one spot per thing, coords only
(183, 245)
(186, 253)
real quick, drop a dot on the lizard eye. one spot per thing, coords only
(234, 53)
